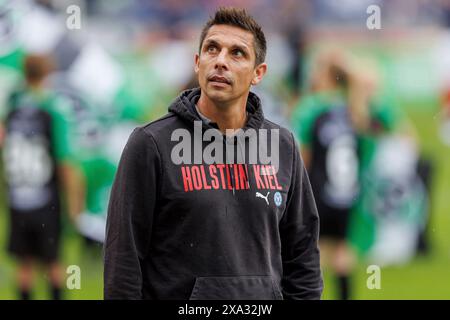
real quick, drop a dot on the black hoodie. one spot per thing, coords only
(210, 231)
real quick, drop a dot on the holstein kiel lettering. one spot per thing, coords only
(229, 177)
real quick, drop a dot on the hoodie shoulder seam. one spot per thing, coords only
(275, 124)
(168, 115)
(278, 126)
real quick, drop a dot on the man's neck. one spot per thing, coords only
(232, 115)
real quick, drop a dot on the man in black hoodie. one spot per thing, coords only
(199, 210)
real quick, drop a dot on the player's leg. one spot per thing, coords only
(25, 277)
(326, 249)
(328, 244)
(425, 173)
(343, 259)
(343, 262)
(22, 247)
(56, 279)
(49, 239)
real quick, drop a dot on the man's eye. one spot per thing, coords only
(238, 52)
(211, 49)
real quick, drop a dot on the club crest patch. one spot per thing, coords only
(277, 198)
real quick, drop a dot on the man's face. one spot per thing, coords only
(226, 64)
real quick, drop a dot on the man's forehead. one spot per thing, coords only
(230, 35)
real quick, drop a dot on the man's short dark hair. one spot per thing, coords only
(241, 19)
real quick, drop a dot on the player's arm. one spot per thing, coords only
(72, 182)
(3, 119)
(407, 130)
(299, 231)
(70, 177)
(2, 134)
(358, 101)
(302, 121)
(130, 217)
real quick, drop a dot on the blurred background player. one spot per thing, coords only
(38, 167)
(395, 178)
(327, 122)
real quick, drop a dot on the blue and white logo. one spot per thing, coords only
(277, 198)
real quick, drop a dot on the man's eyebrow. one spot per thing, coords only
(234, 46)
(242, 48)
(211, 41)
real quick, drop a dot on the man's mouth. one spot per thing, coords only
(219, 79)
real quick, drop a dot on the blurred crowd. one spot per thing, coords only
(128, 59)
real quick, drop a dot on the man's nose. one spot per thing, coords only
(221, 61)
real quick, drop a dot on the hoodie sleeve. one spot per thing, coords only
(299, 230)
(130, 216)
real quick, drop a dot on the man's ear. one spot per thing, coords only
(196, 62)
(259, 73)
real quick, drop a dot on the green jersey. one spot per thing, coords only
(36, 142)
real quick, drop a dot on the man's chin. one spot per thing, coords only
(219, 96)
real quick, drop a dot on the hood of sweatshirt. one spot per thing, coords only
(184, 107)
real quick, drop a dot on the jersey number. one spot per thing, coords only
(27, 161)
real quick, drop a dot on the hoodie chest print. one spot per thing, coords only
(229, 177)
